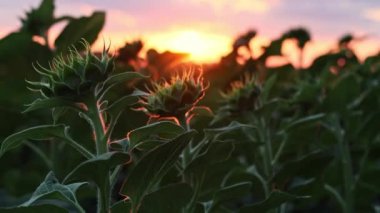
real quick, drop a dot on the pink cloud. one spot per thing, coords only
(372, 14)
(254, 6)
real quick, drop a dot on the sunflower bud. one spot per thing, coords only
(176, 97)
(38, 20)
(242, 97)
(76, 76)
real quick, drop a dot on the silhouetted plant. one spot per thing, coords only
(302, 36)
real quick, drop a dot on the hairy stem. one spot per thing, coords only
(46, 39)
(279, 151)
(187, 151)
(198, 181)
(104, 195)
(101, 142)
(267, 152)
(98, 126)
(300, 59)
(348, 177)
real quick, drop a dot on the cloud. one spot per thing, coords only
(119, 20)
(372, 14)
(254, 6)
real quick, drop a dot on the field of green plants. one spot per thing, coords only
(83, 131)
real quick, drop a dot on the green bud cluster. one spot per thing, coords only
(38, 20)
(76, 76)
(242, 97)
(176, 97)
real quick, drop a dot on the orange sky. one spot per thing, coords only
(206, 28)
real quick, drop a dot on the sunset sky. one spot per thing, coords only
(206, 28)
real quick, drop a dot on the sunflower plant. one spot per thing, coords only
(129, 174)
(249, 101)
(78, 81)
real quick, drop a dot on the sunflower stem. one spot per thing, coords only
(101, 142)
(348, 177)
(98, 126)
(186, 155)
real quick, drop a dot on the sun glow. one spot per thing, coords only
(201, 46)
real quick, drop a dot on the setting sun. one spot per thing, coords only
(201, 46)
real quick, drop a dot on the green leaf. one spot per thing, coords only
(216, 152)
(86, 28)
(50, 188)
(228, 193)
(268, 85)
(307, 93)
(40, 209)
(51, 103)
(17, 53)
(234, 191)
(168, 199)
(301, 167)
(304, 121)
(145, 146)
(258, 181)
(343, 93)
(162, 129)
(275, 199)
(124, 77)
(121, 207)
(119, 145)
(116, 109)
(43, 132)
(333, 125)
(117, 79)
(335, 194)
(57, 113)
(97, 168)
(267, 109)
(225, 132)
(35, 133)
(11, 44)
(16, 48)
(122, 103)
(152, 167)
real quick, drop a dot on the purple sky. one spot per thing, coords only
(222, 20)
